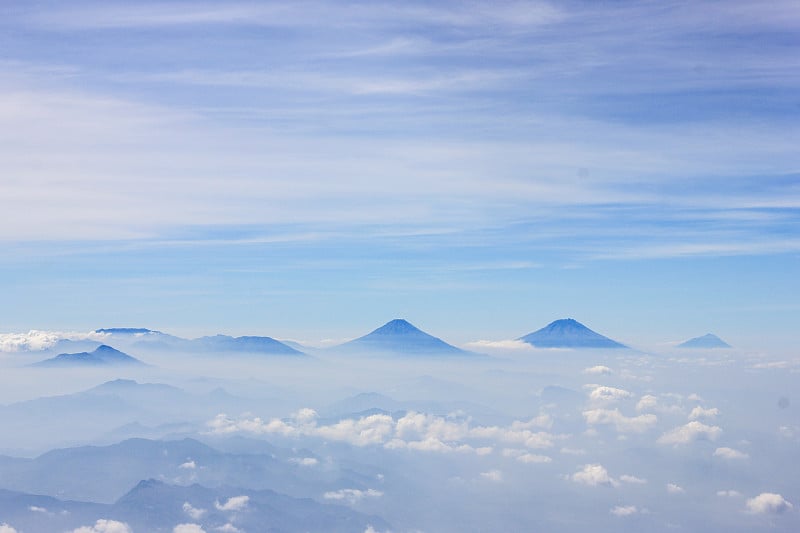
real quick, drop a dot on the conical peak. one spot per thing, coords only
(569, 333)
(565, 322)
(709, 340)
(398, 326)
(105, 348)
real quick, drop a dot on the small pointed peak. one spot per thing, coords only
(121, 382)
(398, 325)
(105, 348)
(709, 340)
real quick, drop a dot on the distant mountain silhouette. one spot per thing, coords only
(127, 331)
(400, 337)
(153, 505)
(709, 340)
(568, 333)
(247, 344)
(72, 346)
(148, 339)
(103, 355)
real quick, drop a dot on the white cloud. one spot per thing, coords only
(352, 496)
(304, 461)
(188, 465)
(420, 425)
(690, 432)
(601, 393)
(672, 488)
(235, 503)
(35, 340)
(5, 528)
(433, 444)
(413, 431)
(597, 370)
(105, 526)
(543, 421)
(532, 458)
(305, 416)
(622, 423)
(492, 475)
(193, 512)
(698, 412)
(632, 479)
(729, 453)
(523, 456)
(515, 345)
(624, 510)
(593, 475)
(768, 503)
(526, 437)
(373, 429)
(729, 493)
(228, 528)
(648, 402)
(188, 528)
(35, 509)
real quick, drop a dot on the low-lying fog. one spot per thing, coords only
(519, 440)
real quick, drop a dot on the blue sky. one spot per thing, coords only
(312, 169)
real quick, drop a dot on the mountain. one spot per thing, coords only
(400, 337)
(126, 331)
(247, 344)
(148, 339)
(72, 346)
(95, 414)
(709, 340)
(82, 473)
(156, 506)
(103, 355)
(568, 333)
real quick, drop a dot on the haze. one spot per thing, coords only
(296, 175)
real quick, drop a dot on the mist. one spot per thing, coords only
(516, 439)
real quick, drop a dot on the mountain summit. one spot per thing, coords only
(568, 333)
(103, 355)
(399, 337)
(709, 340)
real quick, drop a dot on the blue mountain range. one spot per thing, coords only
(144, 338)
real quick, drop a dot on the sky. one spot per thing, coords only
(311, 170)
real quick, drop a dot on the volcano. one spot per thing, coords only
(400, 337)
(569, 333)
